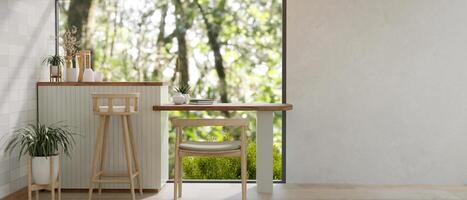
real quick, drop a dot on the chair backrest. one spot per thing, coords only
(180, 123)
(209, 122)
(129, 101)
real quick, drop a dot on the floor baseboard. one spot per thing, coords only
(23, 192)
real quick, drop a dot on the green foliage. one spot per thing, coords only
(227, 167)
(183, 89)
(137, 41)
(41, 140)
(54, 60)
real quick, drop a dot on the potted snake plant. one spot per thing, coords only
(55, 63)
(42, 143)
(182, 94)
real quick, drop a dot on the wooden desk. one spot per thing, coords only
(264, 132)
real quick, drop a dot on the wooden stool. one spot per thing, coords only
(106, 105)
(54, 184)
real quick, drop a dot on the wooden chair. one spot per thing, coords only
(123, 105)
(188, 148)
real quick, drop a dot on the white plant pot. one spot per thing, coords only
(72, 74)
(179, 98)
(88, 75)
(41, 169)
(187, 98)
(54, 70)
(97, 76)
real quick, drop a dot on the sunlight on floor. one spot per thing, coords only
(289, 191)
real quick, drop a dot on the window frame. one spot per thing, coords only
(284, 94)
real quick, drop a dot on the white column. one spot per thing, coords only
(264, 143)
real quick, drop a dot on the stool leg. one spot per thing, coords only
(104, 148)
(128, 154)
(135, 156)
(96, 154)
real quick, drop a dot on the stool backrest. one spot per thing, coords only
(112, 100)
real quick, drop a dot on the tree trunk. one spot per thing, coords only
(213, 29)
(160, 40)
(78, 16)
(181, 27)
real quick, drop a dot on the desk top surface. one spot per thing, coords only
(225, 107)
(101, 83)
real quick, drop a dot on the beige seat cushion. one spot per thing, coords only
(210, 146)
(115, 109)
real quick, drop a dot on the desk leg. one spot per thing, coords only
(264, 144)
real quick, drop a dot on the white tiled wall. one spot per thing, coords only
(26, 36)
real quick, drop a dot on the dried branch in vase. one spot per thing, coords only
(70, 43)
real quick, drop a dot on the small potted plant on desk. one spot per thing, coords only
(42, 143)
(55, 63)
(182, 94)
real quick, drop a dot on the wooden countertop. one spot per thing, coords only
(225, 107)
(101, 83)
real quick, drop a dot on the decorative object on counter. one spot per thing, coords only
(55, 63)
(182, 94)
(97, 76)
(105, 106)
(70, 47)
(42, 143)
(86, 73)
(201, 101)
(71, 74)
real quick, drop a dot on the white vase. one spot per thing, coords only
(97, 76)
(72, 75)
(41, 169)
(88, 75)
(54, 70)
(179, 98)
(187, 98)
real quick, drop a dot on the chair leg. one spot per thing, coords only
(176, 171)
(135, 156)
(180, 175)
(52, 192)
(103, 148)
(96, 154)
(244, 173)
(128, 155)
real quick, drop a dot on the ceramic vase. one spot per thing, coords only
(97, 76)
(72, 75)
(88, 75)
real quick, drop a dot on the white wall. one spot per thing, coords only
(26, 36)
(379, 89)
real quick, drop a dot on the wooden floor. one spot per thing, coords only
(197, 191)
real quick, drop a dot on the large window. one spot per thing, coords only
(228, 50)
